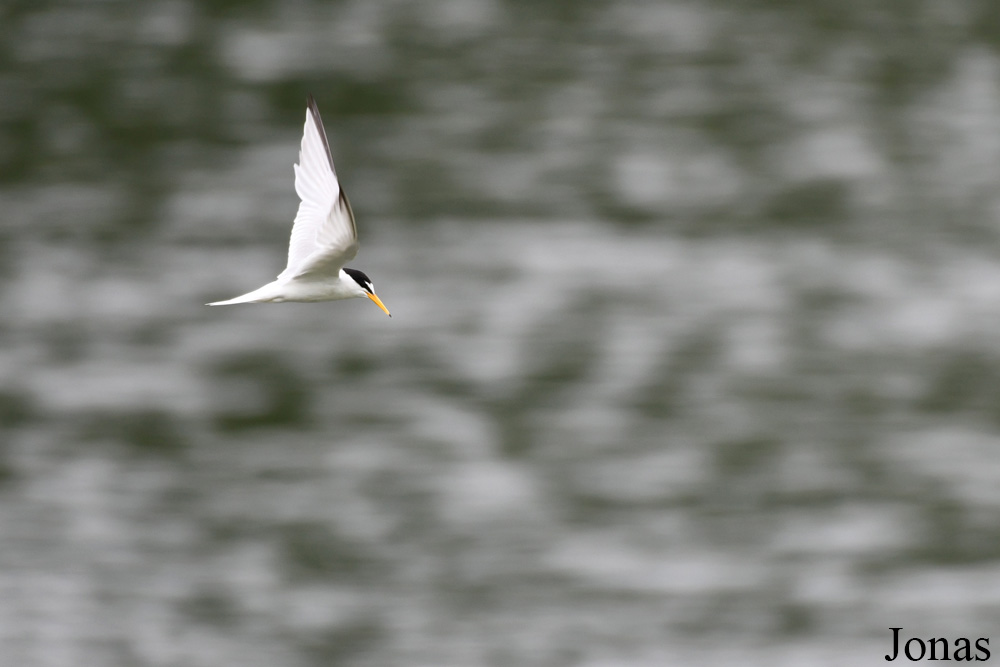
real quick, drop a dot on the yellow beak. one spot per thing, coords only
(378, 302)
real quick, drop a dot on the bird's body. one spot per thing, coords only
(329, 289)
(324, 234)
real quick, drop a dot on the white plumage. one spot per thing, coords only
(324, 234)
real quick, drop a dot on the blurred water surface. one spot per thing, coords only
(693, 359)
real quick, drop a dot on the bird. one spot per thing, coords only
(324, 234)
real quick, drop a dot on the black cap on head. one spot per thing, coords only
(360, 278)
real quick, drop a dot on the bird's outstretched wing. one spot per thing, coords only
(324, 236)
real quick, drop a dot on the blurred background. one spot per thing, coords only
(695, 355)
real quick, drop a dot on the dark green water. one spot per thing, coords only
(693, 359)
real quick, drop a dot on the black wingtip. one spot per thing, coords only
(314, 111)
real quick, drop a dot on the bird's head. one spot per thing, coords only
(364, 287)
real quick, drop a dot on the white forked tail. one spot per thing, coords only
(262, 295)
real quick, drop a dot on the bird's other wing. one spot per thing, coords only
(324, 236)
